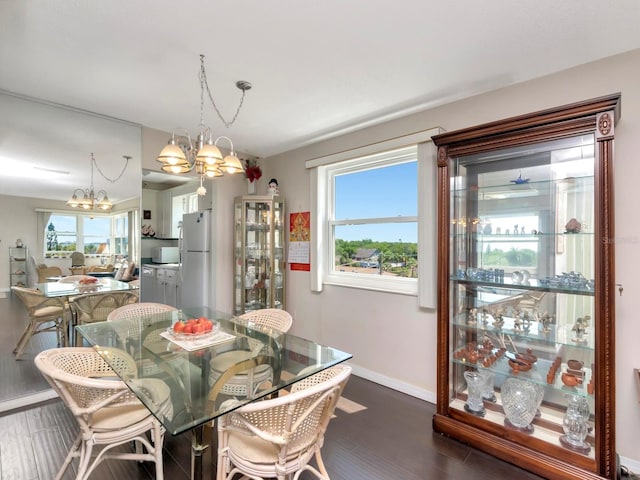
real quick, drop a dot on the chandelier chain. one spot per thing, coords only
(205, 85)
(126, 157)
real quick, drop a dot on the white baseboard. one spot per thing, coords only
(27, 400)
(394, 384)
(632, 465)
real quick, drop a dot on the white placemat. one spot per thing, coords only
(198, 343)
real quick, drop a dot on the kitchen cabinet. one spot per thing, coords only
(526, 344)
(159, 285)
(167, 286)
(259, 253)
(18, 276)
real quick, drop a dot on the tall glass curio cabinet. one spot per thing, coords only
(526, 289)
(259, 252)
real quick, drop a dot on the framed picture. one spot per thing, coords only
(146, 214)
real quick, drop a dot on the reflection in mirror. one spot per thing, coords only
(45, 155)
(165, 198)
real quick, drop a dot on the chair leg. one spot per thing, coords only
(24, 340)
(320, 463)
(73, 452)
(85, 459)
(157, 437)
(62, 328)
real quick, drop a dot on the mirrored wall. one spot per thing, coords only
(45, 155)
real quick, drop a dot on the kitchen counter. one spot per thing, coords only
(170, 266)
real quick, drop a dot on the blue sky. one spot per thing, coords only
(380, 192)
(98, 226)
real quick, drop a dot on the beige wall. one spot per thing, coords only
(391, 339)
(18, 220)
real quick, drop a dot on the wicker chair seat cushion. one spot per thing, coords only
(254, 449)
(117, 418)
(46, 312)
(222, 362)
(237, 385)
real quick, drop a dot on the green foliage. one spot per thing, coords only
(399, 258)
(52, 238)
(515, 257)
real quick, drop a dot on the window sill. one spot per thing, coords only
(408, 286)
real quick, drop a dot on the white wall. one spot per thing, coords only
(391, 339)
(18, 220)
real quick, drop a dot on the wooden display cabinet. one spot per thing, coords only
(526, 289)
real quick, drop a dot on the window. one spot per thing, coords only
(90, 234)
(372, 221)
(121, 234)
(373, 217)
(96, 234)
(61, 234)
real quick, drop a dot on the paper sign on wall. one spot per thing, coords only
(299, 241)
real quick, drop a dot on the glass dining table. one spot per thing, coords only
(184, 362)
(102, 285)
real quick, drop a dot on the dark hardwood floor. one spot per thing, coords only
(391, 439)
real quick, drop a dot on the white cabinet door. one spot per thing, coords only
(167, 286)
(164, 207)
(171, 288)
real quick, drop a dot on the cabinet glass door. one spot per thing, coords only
(259, 253)
(522, 285)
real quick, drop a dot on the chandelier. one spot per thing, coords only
(183, 155)
(87, 198)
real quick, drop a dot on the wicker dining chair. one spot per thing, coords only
(246, 384)
(96, 307)
(133, 330)
(278, 438)
(108, 413)
(45, 315)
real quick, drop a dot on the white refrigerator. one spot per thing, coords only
(195, 260)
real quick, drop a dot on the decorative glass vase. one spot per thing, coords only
(475, 383)
(488, 392)
(520, 402)
(576, 424)
(251, 187)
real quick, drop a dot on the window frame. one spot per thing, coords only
(361, 164)
(322, 250)
(80, 218)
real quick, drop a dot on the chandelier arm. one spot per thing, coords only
(95, 162)
(186, 134)
(203, 80)
(222, 137)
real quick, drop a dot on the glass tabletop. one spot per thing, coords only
(102, 285)
(196, 390)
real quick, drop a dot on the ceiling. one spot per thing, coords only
(318, 69)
